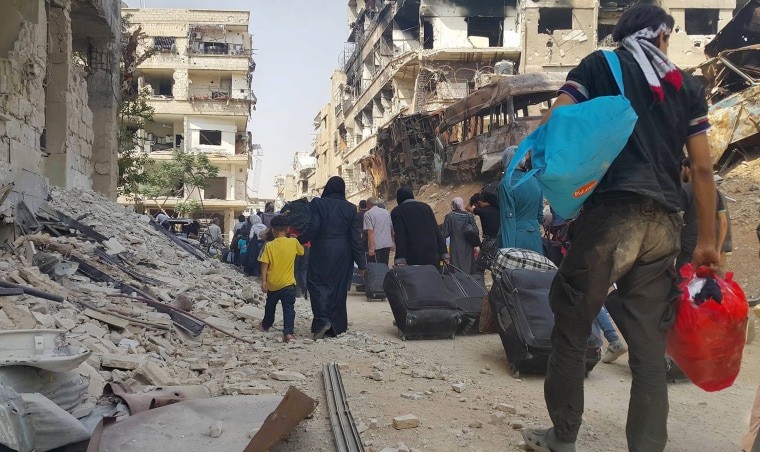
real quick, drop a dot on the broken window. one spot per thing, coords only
(216, 188)
(701, 21)
(487, 27)
(211, 137)
(164, 44)
(551, 19)
(427, 32)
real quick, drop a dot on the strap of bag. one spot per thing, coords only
(522, 150)
(614, 62)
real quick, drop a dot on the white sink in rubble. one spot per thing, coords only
(45, 349)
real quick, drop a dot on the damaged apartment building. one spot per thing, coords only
(59, 69)
(199, 84)
(407, 61)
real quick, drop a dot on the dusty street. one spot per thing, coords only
(699, 421)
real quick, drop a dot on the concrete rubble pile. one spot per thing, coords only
(105, 338)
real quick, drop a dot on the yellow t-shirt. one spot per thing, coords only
(281, 254)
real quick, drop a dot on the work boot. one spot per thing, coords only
(614, 351)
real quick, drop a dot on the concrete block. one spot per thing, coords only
(249, 312)
(287, 375)
(154, 374)
(406, 421)
(125, 362)
(107, 318)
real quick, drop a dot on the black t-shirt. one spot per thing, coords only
(489, 219)
(650, 163)
(690, 230)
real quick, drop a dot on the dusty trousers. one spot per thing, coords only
(632, 241)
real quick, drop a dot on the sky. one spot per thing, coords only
(297, 45)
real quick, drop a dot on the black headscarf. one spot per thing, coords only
(403, 194)
(335, 187)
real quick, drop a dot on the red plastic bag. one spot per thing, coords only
(707, 339)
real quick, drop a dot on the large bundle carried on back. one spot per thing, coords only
(300, 215)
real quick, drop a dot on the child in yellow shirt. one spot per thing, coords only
(278, 277)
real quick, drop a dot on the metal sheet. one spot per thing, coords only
(44, 349)
(733, 119)
(144, 398)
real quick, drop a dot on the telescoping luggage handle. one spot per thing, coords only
(450, 267)
(529, 142)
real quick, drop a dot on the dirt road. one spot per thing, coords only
(699, 421)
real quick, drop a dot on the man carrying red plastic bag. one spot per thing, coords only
(708, 335)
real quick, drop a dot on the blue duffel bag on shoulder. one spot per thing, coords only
(573, 150)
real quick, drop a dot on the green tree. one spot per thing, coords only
(134, 113)
(179, 178)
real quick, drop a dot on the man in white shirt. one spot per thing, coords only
(215, 232)
(377, 223)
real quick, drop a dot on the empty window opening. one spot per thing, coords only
(427, 31)
(160, 84)
(551, 19)
(214, 48)
(211, 137)
(216, 188)
(489, 27)
(604, 34)
(164, 44)
(701, 21)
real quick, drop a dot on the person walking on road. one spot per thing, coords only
(521, 209)
(418, 239)
(629, 232)
(379, 230)
(335, 246)
(461, 251)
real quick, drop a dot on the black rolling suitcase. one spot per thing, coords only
(520, 303)
(373, 280)
(468, 293)
(422, 305)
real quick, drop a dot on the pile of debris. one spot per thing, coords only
(96, 298)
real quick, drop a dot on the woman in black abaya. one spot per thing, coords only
(335, 246)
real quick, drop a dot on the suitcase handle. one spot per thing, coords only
(455, 269)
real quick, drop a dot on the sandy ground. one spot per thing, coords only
(699, 421)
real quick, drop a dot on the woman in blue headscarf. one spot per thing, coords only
(521, 208)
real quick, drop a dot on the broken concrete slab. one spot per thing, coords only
(286, 375)
(44, 349)
(113, 321)
(126, 362)
(249, 312)
(185, 425)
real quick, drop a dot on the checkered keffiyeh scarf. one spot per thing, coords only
(514, 258)
(652, 61)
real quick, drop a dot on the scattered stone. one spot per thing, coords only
(458, 387)
(216, 430)
(411, 395)
(406, 421)
(154, 374)
(376, 375)
(113, 246)
(107, 318)
(286, 375)
(509, 409)
(249, 312)
(362, 427)
(498, 418)
(126, 362)
(377, 348)
(374, 424)
(475, 424)
(517, 424)
(522, 445)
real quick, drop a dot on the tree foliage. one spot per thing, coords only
(134, 113)
(180, 177)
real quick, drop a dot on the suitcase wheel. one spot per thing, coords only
(513, 370)
(401, 335)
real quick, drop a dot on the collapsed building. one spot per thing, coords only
(59, 68)
(732, 79)
(407, 61)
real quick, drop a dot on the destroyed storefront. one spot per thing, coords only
(465, 141)
(732, 79)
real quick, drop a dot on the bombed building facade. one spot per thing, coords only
(59, 68)
(406, 61)
(198, 82)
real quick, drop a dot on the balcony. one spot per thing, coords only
(201, 106)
